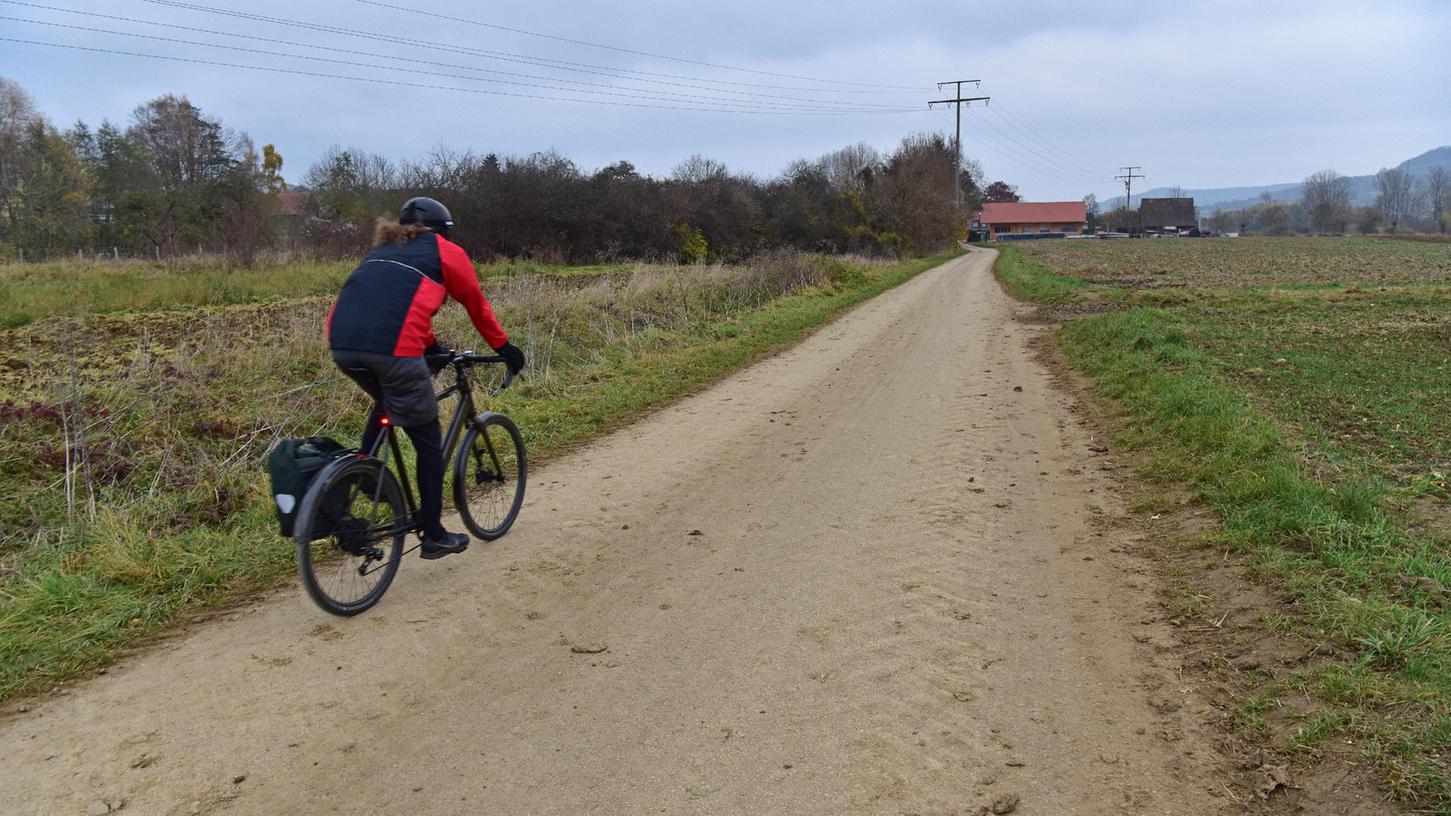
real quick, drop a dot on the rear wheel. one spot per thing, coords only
(353, 526)
(489, 472)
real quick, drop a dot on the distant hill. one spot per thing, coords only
(1362, 188)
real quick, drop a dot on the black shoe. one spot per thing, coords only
(448, 545)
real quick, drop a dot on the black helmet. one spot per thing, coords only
(428, 212)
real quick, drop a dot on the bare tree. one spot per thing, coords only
(1326, 198)
(1367, 220)
(187, 149)
(1395, 195)
(244, 221)
(443, 168)
(1275, 219)
(851, 167)
(350, 183)
(1223, 220)
(1177, 192)
(17, 113)
(1438, 191)
(697, 169)
(16, 107)
(970, 183)
(916, 192)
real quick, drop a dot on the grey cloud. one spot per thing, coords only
(1208, 94)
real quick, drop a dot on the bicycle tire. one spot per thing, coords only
(490, 470)
(335, 543)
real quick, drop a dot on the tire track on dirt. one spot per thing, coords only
(860, 577)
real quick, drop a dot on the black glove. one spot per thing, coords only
(437, 356)
(513, 357)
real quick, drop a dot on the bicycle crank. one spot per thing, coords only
(369, 555)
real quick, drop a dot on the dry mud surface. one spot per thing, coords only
(868, 575)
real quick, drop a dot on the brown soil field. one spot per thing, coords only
(1245, 262)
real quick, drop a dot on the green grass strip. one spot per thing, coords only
(1032, 282)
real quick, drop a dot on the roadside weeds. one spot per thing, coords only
(174, 534)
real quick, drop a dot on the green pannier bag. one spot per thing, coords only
(292, 465)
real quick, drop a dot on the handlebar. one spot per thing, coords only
(464, 359)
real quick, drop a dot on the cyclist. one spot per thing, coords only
(381, 326)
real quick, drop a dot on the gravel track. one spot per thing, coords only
(867, 575)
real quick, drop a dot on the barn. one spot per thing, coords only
(1161, 215)
(1016, 220)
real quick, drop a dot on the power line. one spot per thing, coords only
(1001, 151)
(958, 100)
(1018, 158)
(400, 83)
(1128, 179)
(743, 106)
(1049, 161)
(619, 49)
(1026, 159)
(1050, 156)
(550, 62)
(1050, 152)
(1075, 158)
(1050, 164)
(333, 49)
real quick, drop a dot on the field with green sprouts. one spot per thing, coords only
(1301, 388)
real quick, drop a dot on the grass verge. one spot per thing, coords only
(1333, 537)
(185, 522)
(1033, 282)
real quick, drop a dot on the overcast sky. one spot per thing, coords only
(1201, 95)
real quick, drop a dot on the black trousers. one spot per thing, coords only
(428, 442)
(402, 390)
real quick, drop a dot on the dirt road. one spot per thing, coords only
(864, 576)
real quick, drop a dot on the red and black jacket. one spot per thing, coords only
(388, 303)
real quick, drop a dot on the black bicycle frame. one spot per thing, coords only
(462, 412)
(463, 409)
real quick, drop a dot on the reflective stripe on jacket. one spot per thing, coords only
(387, 304)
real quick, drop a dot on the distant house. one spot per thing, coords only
(292, 202)
(1167, 215)
(1004, 221)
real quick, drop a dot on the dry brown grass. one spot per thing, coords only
(131, 484)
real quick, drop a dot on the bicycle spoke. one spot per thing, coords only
(356, 550)
(493, 456)
(489, 477)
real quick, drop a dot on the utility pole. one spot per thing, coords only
(1128, 178)
(957, 139)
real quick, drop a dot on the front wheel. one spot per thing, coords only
(488, 476)
(352, 529)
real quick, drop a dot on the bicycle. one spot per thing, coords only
(354, 520)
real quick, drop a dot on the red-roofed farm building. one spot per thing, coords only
(292, 202)
(1025, 219)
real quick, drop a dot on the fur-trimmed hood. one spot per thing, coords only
(388, 231)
